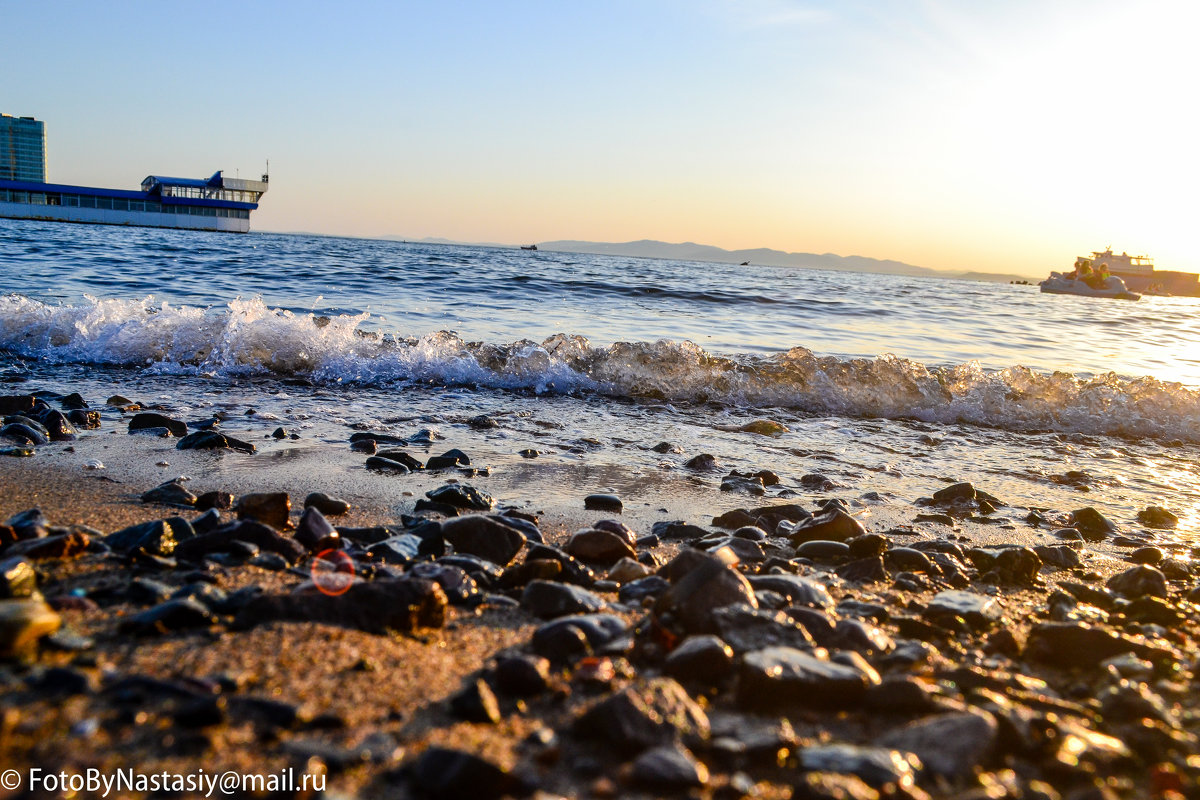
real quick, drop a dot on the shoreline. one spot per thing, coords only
(230, 692)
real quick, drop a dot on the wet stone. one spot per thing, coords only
(159, 537)
(313, 528)
(269, 508)
(599, 546)
(823, 550)
(461, 495)
(647, 714)
(449, 460)
(868, 545)
(549, 599)
(214, 499)
(253, 532)
(1091, 524)
(954, 493)
(329, 506)
(1058, 556)
(786, 676)
(171, 493)
(670, 767)
(483, 536)
(1157, 517)
(151, 421)
(211, 440)
(977, 609)
(951, 744)
(1139, 581)
(366, 446)
(23, 434)
(1018, 565)
(1150, 556)
(746, 629)
(603, 502)
(833, 525)
(381, 464)
(831, 786)
(798, 590)
(906, 559)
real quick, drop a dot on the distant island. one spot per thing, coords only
(690, 251)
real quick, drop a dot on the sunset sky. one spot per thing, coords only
(1006, 135)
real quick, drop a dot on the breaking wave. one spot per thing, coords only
(247, 338)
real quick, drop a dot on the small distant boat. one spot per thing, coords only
(744, 264)
(529, 247)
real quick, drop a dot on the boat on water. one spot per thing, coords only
(1139, 274)
(1113, 287)
(216, 203)
(529, 247)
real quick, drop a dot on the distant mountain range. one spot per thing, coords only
(690, 251)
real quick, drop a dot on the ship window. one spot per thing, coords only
(53, 200)
(70, 200)
(37, 198)
(87, 201)
(120, 205)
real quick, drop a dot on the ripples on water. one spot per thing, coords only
(973, 368)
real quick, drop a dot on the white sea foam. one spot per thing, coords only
(248, 338)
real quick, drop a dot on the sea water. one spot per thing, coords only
(881, 383)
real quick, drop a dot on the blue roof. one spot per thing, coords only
(198, 183)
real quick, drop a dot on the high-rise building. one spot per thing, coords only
(22, 149)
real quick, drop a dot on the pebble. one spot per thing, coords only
(669, 767)
(600, 546)
(1147, 555)
(710, 584)
(23, 621)
(704, 659)
(952, 744)
(626, 571)
(211, 440)
(329, 506)
(1139, 581)
(269, 508)
(603, 502)
(834, 525)
(650, 713)
(876, 766)
(777, 677)
(1091, 524)
(1157, 517)
(151, 421)
(171, 493)
(522, 675)
(550, 599)
(180, 613)
(159, 537)
(575, 636)
(461, 495)
(483, 536)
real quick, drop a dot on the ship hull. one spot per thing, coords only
(102, 216)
